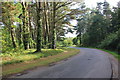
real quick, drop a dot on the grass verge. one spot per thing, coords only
(116, 55)
(27, 55)
(19, 67)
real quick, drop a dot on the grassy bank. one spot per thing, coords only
(27, 55)
(41, 61)
(113, 53)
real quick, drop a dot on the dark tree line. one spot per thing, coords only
(99, 28)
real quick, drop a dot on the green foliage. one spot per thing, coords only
(59, 43)
(75, 41)
(65, 43)
(6, 41)
(99, 29)
(110, 42)
(25, 28)
(85, 39)
(11, 12)
(94, 27)
(113, 53)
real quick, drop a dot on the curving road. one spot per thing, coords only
(89, 63)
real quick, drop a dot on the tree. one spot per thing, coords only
(75, 41)
(54, 27)
(37, 24)
(25, 25)
(39, 29)
(10, 12)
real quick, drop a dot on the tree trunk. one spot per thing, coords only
(49, 28)
(18, 34)
(46, 24)
(30, 27)
(39, 28)
(54, 28)
(12, 36)
(12, 32)
(25, 28)
(80, 39)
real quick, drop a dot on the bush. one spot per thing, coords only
(110, 42)
(85, 40)
(75, 41)
(65, 43)
(59, 44)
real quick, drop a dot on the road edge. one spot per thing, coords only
(114, 66)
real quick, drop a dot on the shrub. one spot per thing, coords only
(110, 42)
(75, 41)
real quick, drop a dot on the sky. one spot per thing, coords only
(74, 23)
(91, 4)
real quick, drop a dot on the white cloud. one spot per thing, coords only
(93, 3)
(71, 34)
(73, 22)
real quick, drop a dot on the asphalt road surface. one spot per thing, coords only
(89, 63)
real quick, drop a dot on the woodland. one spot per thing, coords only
(37, 29)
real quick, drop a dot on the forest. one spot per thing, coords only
(33, 30)
(34, 25)
(99, 28)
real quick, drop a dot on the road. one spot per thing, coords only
(89, 63)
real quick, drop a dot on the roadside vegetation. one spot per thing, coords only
(115, 54)
(18, 55)
(26, 55)
(34, 60)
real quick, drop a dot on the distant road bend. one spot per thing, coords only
(89, 63)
